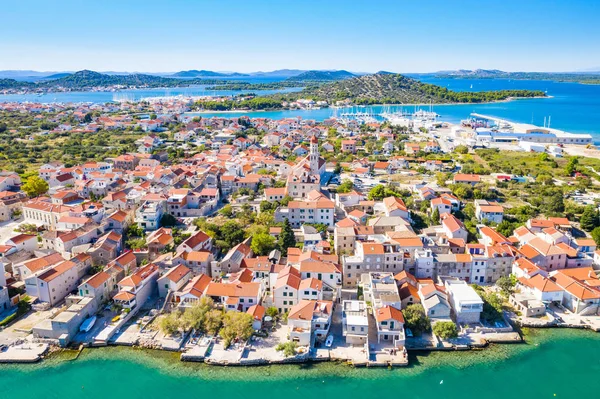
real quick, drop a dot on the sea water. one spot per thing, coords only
(553, 363)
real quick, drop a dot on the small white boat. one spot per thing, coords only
(87, 325)
(329, 341)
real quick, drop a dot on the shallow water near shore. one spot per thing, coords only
(564, 363)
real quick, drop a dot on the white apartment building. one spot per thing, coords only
(466, 304)
(54, 284)
(321, 210)
(148, 215)
(355, 322)
(486, 210)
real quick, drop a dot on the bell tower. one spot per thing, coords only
(314, 155)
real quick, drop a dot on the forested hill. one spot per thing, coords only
(314, 76)
(87, 79)
(586, 78)
(94, 79)
(386, 88)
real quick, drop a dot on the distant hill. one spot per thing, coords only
(87, 79)
(55, 76)
(279, 73)
(397, 89)
(193, 73)
(587, 78)
(19, 74)
(320, 76)
(480, 73)
(14, 84)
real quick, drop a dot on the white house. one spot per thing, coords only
(465, 302)
(53, 284)
(355, 322)
(487, 210)
(173, 280)
(309, 321)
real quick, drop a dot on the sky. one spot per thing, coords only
(253, 35)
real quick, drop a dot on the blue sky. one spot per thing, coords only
(362, 36)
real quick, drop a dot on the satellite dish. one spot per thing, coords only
(268, 318)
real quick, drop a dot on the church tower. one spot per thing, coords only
(314, 155)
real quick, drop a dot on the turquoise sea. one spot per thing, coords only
(554, 363)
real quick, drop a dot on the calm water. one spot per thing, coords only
(562, 364)
(130, 95)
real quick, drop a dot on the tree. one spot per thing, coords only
(377, 193)
(435, 216)
(589, 218)
(596, 235)
(195, 317)
(168, 220)
(35, 186)
(445, 329)
(416, 319)
(236, 325)
(286, 237)
(262, 244)
(441, 178)
(571, 166)
(136, 243)
(213, 321)
(170, 324)
(135, 230)
(288, 348)
(544, 178)
(265, 219)
(469, 211)
(266, 206)
(226, 211)
(505, 228)
(285, 200)
(463, 191)
(507, 284)
(461, 149)
(345, 187)
(232, 233)
(492, 304)
(272, 312)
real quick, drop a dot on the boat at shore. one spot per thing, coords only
(87, 325)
